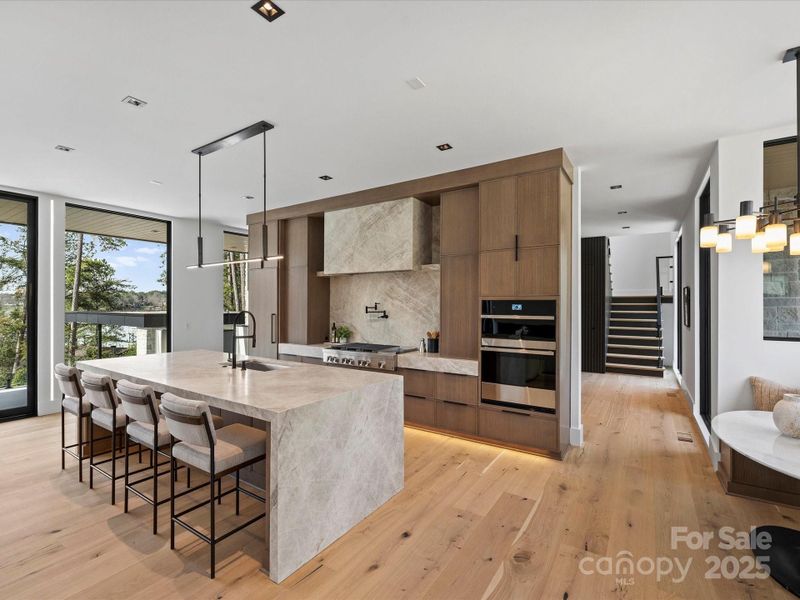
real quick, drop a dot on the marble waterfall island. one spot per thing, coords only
(335, 438)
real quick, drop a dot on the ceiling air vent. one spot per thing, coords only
(134, 101)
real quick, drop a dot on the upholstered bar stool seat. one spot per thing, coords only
(105, 417)
(196, 442)
(73, 401)
(236, 444)
(70, 404)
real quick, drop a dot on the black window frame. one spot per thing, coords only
(31, 408)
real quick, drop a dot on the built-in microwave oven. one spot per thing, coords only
(518, 353)
(518, 324)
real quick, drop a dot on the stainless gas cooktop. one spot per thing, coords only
(365, 356)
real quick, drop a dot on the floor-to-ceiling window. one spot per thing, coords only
(17, 306)
(117, 284)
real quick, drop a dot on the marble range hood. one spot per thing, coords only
(383, 237)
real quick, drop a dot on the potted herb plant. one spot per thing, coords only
(342, 334)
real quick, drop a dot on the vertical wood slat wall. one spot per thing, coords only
(595, 298)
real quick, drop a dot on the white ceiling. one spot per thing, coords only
(636, 93)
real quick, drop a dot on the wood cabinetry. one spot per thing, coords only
(264, 289)
(520, 229)
(418, 401)
(307, 296)
(459, 314)
(518, 427)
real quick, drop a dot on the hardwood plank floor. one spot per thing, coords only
(473, 521)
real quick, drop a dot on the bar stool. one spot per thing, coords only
(147, 427)
(72, 401)
(99, 389)
(217, 453)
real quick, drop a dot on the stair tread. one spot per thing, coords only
(635, 347)
(635, 356)
(636, 367)
(635, 337)
(634, 320)
(636, 312)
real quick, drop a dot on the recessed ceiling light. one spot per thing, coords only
(134, 101)
(416, 83)
(65, 148)
(616, 187)
(155, 182)
(622, 212)
(248, 197)
(444, 147)
(267, 9)
(626, 227)
(325, 177)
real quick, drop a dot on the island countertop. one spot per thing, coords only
(334, 438)
(199, 374)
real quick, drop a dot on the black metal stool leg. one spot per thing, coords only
(127, 468)
(155, 481)
(114, 461)
(80, 440)
(63, 441)
(219, 491)
(237, 491)
(91, 453)
(213, 536)
(171, 495)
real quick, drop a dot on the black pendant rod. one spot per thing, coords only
(264, 230)
(199, 210)
(797, 140)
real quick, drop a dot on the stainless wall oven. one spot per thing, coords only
(518, 354)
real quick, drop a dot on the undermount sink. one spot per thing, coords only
(256, 365)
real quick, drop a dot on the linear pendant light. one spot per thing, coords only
(767, 227)
(226, 142)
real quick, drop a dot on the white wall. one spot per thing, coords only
(742, 351)
(633, 261)
(738, 349)
(197, 295)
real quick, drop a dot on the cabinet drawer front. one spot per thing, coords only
(419, 411)
(417, 383)
(516, 428)
(458, 388)
(460, 418)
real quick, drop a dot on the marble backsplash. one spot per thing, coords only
(411, 298)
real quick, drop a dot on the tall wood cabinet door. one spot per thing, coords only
(459, 222)
(498, 274)
(537, 208)
(263, 303)
(459, 311)
(498, 213)
(537, 271)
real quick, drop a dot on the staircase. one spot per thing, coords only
(635, 342)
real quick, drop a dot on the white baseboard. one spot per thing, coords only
(576, 436)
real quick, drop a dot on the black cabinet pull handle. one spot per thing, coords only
(416, 396)
(272, 319)
(454, 402)
(513, 412)
(516, 248)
